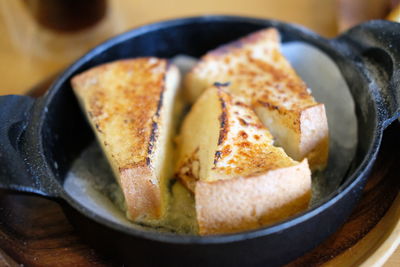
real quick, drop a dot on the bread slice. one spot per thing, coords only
(129, 104)
(227, 158)
(257, 70)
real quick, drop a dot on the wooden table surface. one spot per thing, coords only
(20, 71)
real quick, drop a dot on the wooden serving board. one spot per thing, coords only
(35, 232)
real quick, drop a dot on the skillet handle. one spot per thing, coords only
(376, 46)
(15, 114)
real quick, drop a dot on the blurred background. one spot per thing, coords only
(41, 37)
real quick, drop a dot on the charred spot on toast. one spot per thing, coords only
(217, 156)
(243, 122)
(243, 134)
(152, 140)
(268, 105)
(219, 84)
(223, 118)
(154, 125)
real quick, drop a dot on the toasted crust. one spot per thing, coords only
(129, 105)
(142, 196)
(314, 142)
(229, 157)
(257, 71)
(245, 203)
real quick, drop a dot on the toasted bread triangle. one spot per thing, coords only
(129, 104)
(227, 158)
(257, 71)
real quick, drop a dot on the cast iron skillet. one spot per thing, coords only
(39, 139)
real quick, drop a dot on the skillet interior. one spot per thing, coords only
(65, 132)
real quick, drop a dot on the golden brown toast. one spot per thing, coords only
(257, 71)
(227, 158)
(129, 104)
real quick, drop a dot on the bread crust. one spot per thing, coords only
(246, 203)
(314, 141)
(142, 196)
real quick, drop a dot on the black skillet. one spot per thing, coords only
(39, 140)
